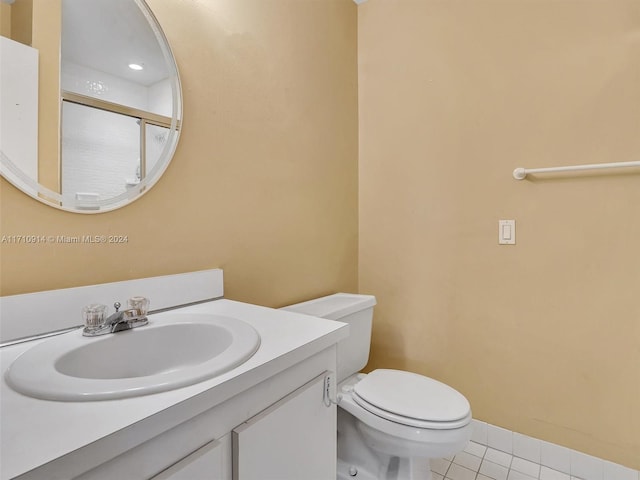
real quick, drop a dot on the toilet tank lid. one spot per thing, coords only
(334, 307)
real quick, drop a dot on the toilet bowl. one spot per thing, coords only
(398, 429)
(390, 422)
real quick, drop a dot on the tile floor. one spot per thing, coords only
(479, 462)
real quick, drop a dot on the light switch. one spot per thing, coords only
(507, 232)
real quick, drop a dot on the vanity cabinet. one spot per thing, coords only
(210, 462)
(292, 439)
(270, 419)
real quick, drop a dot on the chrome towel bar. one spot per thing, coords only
(521, 173)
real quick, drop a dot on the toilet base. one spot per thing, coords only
(396, 469)
(357, 461)
(346, 471)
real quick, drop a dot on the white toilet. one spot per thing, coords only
(390, 422)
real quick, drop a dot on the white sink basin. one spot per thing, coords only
(177, 350)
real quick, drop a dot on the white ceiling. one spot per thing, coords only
(108, 35)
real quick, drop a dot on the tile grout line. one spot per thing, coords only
(509, 469)
(625, 472)
(502, 439)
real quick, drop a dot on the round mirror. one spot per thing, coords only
(90, 101)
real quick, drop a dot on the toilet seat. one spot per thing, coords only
(411, 399)
(404, 440)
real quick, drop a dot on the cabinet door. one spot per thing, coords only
(293, 439)
(210, 462)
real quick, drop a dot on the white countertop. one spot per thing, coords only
(34, 432)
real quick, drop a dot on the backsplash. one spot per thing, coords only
(36, 313)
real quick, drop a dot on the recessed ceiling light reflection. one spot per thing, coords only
(135, 66)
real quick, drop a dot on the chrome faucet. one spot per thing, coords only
(126, 319)
(116, 322)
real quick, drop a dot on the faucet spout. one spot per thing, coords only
(119, 321)
(126, 320)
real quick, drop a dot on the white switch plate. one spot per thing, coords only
(506, 232)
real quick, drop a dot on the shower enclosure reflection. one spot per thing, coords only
(105, 153)
(116, 114)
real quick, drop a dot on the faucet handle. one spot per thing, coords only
(117, 306)
(94, 315)
(141, 304)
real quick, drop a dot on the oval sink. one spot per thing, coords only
(178, 350)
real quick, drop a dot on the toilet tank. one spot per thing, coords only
(357, 311)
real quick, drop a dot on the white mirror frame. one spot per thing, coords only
(12, 173)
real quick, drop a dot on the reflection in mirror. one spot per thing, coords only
(120, 107)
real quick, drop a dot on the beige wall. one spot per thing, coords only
(264, 181)
(543, 337)
(5, 20)
(21, 21)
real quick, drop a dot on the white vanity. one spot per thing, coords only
(269, 417)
